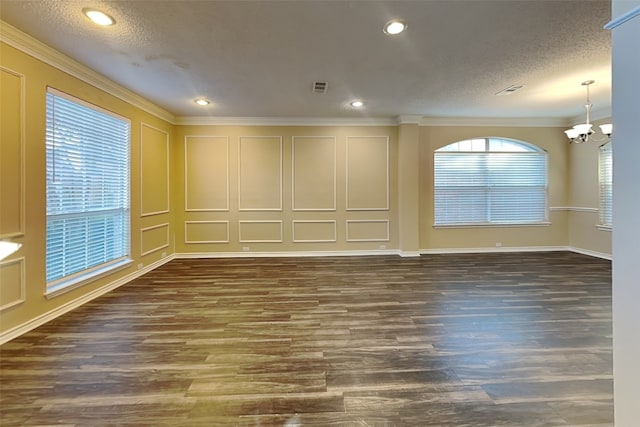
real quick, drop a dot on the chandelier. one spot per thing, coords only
(580, 133)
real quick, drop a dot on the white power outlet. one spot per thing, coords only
(245, 249)
(164, 254)
(498, 244)
(383, 246)
(140, 266)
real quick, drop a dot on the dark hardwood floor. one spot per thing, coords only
(440, 340)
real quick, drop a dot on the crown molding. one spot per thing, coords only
(33, 47)
(493, 122)
(409, 120)
(633, 13)
(283, 121)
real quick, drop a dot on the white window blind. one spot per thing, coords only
(87, 189)
(487, 181)
(605, 179)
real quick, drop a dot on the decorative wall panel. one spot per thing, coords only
(154, 238)
(206, 232)
(11, 154)
(260, 173)
(154, 171)
(367, 230)
(12, 283)
(314, 231)
(313, 173)
(206, 180)
(367, 173)
(260, 231)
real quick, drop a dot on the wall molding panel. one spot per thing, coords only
(260, 173)
(367, 174)
(12, 153)
(206, 173)
(265, 231)
(154, 238)
(209, 231)
(314, 231)
(154, 171)
(368, 230)
(13, 283)
(313, 171)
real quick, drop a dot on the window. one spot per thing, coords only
(490, 181)
(605, 179)
(87, 152)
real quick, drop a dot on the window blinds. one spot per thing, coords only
(87, 153)
(605, 180)
(490, 187)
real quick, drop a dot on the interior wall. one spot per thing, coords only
(23, 300)
(626, 205)
(583, 201)
(248, 189)
(489, 238)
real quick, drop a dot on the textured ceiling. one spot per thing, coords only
(260, 58)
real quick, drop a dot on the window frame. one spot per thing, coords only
(528, 148)
(90, 273)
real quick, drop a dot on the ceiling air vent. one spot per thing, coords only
(320, 87)
(510, 90)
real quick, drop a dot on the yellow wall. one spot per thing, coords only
(555, 235)
(23, 285)
(285, 189)
(216, 190)
(584, 197)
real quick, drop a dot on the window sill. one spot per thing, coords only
(76, 282)
(488, 225)
(604, 227)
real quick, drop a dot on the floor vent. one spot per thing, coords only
(320, 87)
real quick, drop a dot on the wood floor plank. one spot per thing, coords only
(510, 339)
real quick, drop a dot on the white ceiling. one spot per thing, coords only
(260, 58)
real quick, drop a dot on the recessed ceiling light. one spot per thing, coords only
(98, 17)
(356, 104)
(202, 101)
(395, 26)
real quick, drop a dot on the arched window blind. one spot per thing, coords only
(490, 181)
(87, 152)
(605, 162)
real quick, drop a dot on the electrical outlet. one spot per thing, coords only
(140, 266)
(383, 246)
(245, 249)
(164, 254)
(498, 244)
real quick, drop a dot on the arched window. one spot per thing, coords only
(490, 181)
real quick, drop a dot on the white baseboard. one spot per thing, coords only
(498, 249)
(67, 307)
(516, 249)
(591, 253)
(286, 254)
(408, 254)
